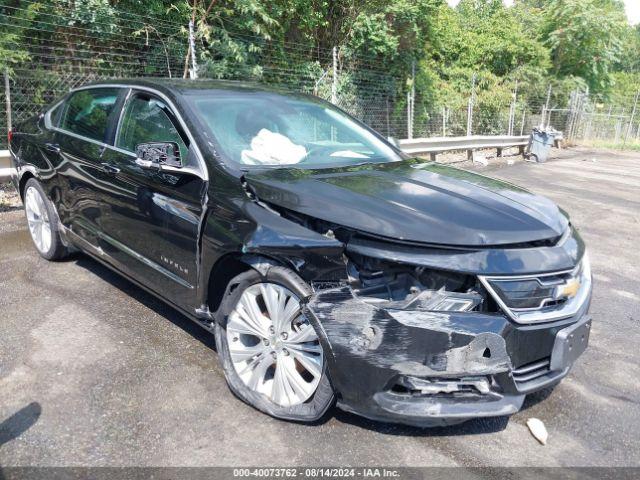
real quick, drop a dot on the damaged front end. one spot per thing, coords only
(411, 343)
(431, 335)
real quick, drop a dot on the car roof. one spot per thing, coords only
(185, 86)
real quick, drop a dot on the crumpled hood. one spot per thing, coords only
(414, 201)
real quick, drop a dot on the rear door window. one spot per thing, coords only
(87, 112)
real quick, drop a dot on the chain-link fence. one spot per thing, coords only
(62, 52)
(591, 121)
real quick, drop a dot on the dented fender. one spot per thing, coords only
(312, 255)
(255, 235)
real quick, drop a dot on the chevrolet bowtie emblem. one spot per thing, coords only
(568, 289)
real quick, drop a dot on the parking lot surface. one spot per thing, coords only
(96, 372)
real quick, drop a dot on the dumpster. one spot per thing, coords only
(540, 144)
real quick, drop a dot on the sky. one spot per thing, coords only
(633, 8)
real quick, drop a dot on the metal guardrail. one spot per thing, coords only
(5, 165)
(433, 146)
(416, 146)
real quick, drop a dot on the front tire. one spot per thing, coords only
(270, 352)
(43, 222)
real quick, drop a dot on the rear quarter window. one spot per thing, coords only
(87, 112)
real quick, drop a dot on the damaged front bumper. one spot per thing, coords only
(428, 368)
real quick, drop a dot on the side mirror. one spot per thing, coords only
(155, 154)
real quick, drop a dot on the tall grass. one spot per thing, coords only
(632, 146)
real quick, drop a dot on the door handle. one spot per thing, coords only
(52, 147)
(110, 168)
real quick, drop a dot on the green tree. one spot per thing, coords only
(629, 59)
(585, 38)
(484, 38)
(12, 49)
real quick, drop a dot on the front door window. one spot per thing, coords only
(147, 119)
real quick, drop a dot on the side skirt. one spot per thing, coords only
(98, 255)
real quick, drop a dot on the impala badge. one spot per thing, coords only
(174, 265)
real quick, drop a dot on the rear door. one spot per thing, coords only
(150, 216)
(82, 127)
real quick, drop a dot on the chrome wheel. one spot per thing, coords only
(38, 219)
(273, 347)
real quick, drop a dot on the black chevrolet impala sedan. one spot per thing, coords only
(331, 267)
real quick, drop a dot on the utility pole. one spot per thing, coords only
(334, 83)
(619, 126)
(545, 112)
(633, 114)
(193, 73)
(573, 115)
(512, 111)
(411, 95)
(409, 127)
(470, 106)
(444, 121)
(387, 116)
(7, 93)
(189, 43)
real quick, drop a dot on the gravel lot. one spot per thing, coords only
(100, 373)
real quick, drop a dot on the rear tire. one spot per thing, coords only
(43, 222)
(277, 364)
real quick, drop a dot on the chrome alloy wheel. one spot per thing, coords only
(38, 219)
(274, 349)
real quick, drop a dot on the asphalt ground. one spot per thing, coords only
(96, 372)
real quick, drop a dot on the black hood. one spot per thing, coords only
(414, 201)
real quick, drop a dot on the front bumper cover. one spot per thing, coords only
(374, 353)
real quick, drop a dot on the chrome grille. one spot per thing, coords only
(529, 293)
(544, 297)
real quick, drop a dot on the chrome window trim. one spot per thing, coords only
(47, 115)
(202, 172)
(528, 316)
(124, 105)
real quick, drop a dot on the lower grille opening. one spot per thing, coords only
(532, 371)
(413, 386)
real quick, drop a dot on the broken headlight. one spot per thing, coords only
(444, 301)
(413, 288)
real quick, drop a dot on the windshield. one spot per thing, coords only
(269, 129)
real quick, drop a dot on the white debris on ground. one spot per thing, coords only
(480, 159)
(538, 430)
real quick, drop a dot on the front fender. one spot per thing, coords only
(259, 237)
